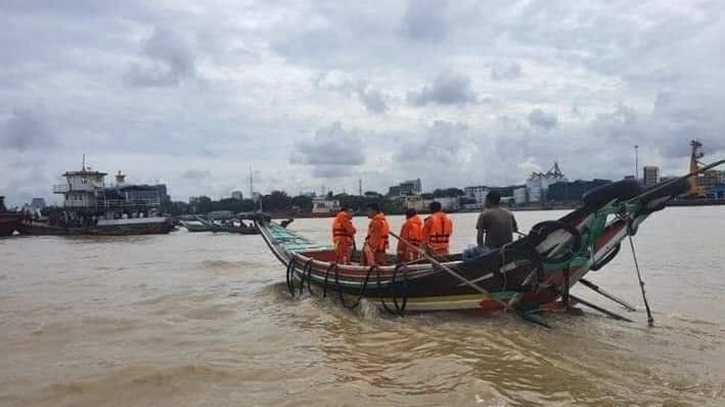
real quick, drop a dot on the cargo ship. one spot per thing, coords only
(92, 208)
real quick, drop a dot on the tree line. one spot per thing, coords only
(277, 202)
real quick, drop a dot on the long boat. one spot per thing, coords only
(196, 225)
(103, 227)
(528, 274)
(199, 224)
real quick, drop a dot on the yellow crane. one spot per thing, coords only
(696, 188)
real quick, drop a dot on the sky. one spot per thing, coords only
(320, 94)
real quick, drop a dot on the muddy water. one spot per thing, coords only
(204, 320)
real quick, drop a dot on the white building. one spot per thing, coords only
(323, 205)
(520, 196)
(538, 183)
(477, 193)
(449, 203)
(237, 195)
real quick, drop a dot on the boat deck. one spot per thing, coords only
(294, 242)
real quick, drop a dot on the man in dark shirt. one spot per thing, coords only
(496, 223)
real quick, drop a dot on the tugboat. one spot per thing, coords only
(9, 221)
(92, 208)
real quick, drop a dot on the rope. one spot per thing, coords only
(290, 276)
(306, 273)
(382, 299)
(327, 275)
(400, 308)
(363, 287)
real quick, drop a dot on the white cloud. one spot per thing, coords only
(332, 153)
(157, 89)
(539, 118)
(447, 89)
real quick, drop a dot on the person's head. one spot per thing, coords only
(372, 209)
(410, 213)
(493, 199)
(435, 206)
(346, 208)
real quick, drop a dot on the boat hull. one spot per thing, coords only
(44, 229)
(9, 223)
(237, 230)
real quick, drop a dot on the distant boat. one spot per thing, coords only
(196, 225)
(104, 227)
(92, 208)
(235, 225)
(9, 221)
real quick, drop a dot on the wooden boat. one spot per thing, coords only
(530, 273)
(9, 221)
(242, 230)
(116, 227)
(196, 225)
(199, 224)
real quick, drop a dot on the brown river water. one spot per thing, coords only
(205, 320)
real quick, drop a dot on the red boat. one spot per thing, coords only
(9, 221)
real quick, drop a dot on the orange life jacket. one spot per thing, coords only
(378, 231)
(342, 229)
(412, 231)
(437, 231)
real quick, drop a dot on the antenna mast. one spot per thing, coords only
(251, 182)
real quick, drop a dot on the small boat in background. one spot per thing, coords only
(196, 225)
(9, 221)
(237, 224)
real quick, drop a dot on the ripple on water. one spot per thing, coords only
(186, 320)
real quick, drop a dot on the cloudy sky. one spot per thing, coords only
(324, 93)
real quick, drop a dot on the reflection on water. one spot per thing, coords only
(204, 319)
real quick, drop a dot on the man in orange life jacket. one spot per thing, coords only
(412, 232)
(437, 231)
(376, 243)
(343, 235)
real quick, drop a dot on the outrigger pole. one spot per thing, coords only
(600, 291)
(650, 320)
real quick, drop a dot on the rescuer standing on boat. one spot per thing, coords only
(437, 231)
(412, 232)
(497, 223)
(343, 235)
(376, 243)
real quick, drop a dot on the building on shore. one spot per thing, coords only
(521, 196)
(237, 195)
(325, 205)
(538, 183)
(421, 205)
(410, 187)
(567, 192)
(650, 175)
(477, 193)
